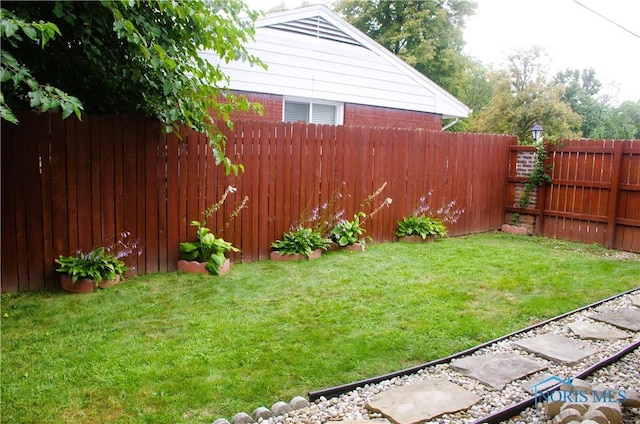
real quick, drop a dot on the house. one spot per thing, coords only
(323, 70)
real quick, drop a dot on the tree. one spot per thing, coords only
(582, 93)
(522, 96)
(426, 34)
(622, 122)
(476, 91)
(126, 56)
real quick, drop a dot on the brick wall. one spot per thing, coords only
(271, 103)
(525, 163)
(380, 116)
(353, 114)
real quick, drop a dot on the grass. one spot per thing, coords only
(187, 348)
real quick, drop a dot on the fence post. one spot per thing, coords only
(612, 204)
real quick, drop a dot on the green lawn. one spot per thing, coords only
(168, 348)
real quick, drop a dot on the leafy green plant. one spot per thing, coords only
(302, 241)
(207, 248)
(100, 263)
(97, 265)
(346, 233)
(422, 226)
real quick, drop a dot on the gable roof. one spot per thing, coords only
(313, 53)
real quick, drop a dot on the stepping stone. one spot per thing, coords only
(496, 370)
(372, 421)
(635, 301)
(556, 348)
(416, 403)
(627, 318)
(587, 330)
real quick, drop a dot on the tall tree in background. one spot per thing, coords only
(523, 96)
(122, 56)
(582, 93)
(427, 34)
(621, 122)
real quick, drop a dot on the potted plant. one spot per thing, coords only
(346, 234)
(206, 255)
(84, 272)
(420, 228)
(303, 243)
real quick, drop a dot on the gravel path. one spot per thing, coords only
(624, 374)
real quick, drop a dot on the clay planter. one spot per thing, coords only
(513, 229)
(334, 247)
(85, 285)
(356, 247)
(416, 239)
(276, 256)
(196, 267)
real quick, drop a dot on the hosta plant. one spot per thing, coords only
(98, 265)
(302, 241)
(346, 233)
(422, 226)
(207, 248)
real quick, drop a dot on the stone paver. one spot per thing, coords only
(497, 370)
(627, 318)
(588, 330)
(416, 403)
(635, 300)
(556, 348)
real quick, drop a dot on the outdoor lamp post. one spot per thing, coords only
(536, 132)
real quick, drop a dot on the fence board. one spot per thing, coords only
(59, 206)
(130, 183)
(31, 174)
(11, 135)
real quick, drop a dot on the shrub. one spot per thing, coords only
(302, 241)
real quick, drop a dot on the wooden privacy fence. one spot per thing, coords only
(594, 196)
(69, 185)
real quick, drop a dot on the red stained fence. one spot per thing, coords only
(594, 196)
(69, 185)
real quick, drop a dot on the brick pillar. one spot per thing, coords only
(525, 163)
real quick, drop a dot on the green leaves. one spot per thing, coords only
(302, 241)
(422, 226)
(129, 56)
(97, 265)
(207, 248)
(41, 97)
(346, 233)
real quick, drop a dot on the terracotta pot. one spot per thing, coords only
(513, 229)
(85, 285)
(416, 239)
(196, 267)
(334, 247)
(276, 256)
(356, 247)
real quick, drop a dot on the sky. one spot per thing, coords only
(572, 36)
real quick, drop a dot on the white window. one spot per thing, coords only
(314, 112)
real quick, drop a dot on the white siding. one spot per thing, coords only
(316, 68)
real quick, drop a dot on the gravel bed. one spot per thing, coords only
(623, 374)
